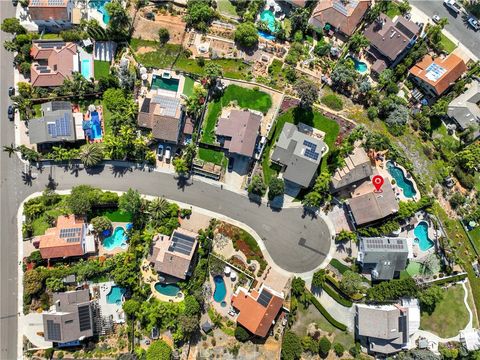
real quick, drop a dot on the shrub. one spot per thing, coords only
(241, 334)
(332, 101)
(159, 350)
(339, 349)
(291, 347)
(324, 347)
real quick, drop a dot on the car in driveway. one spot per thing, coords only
(231, 161)
(160, 152)
(11, 91)
(11, 112)
(474, 23)
(168, 153)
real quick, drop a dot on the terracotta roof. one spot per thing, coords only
(254, 316)
(161, 114)
(242, 128)
(344, 17)
(48, 10)
(53, 62)
(299, 3)
(439, 73)
(52, 245)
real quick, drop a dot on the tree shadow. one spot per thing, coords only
(256, 199)
(183, 182)
(95, 170)
(120, 171)
(303, 115)
(27, 178)
(51, 184)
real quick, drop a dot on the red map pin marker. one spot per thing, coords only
(377, 181)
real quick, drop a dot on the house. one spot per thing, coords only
(470, 338)
(53, 62)
(68, 238)
(358, 167)
(387, 329)
(368, 206)
(465, 109)
(299, 153)
(257, 309)
(173, 255)
(163, 115)
(390, 41)
(51, 14)
(383, 257)
(238, 132)
(435, 76)
(58, 124)
(342, 16)
(297, 3)
(71, 318)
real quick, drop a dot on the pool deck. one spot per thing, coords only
(113, 310)
(104, 251)
(159, 73)
(398, 190)
(410, 235)
(229, 285)
(150, 276)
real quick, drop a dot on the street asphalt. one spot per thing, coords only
(295, 242)
(457, 24)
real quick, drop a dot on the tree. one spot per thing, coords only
(298, 287)
(352, 283)
(291, 346)
(307, 91)
(404, 7)
(55, 284)
(312, 200)
(213, 71)
(118, 27)
(246, 35)
(130, 202)
(397, 119)
(318, 278)
(131, 307)
(91, 154)
(79, 201)
(181, 166)
(393, 290)
(158, 209)
(469, 157)
(257, 186)
(343, 76)
(163, 36)
(339, 349)
(32, 282)
(320, 192)
(12, 26)
(457, 200)
(101, 224)
(159, 350)
(199, 14)
(241, 334)
(275, 188)
(430, 297)
(344, 236)
(358, 42)
(324, 347)
(196, 101)
(188, 324)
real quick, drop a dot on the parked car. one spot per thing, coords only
(14, 2)
(436, 19)
(11, 91)
(160, 152)
(168, 153)
(474, 23)
(231, 161)
(11, 112)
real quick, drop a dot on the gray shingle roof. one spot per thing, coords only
(56, 125)
(464, 109)
(357, 167)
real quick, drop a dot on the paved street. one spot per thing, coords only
(457, 26)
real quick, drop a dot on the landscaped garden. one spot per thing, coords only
(101, 68)
(216, 157)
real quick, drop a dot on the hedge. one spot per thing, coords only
(447, 280)
(336, 286)
(335, 295)
(325, 313)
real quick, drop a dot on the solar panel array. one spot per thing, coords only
(264, 298)
(342, 8)
(311, 150)
(181, 243)
(168, 104)
(53, 331)
(84, 317)
(61, 127)
(50, 44)
(71, 234)
(404, 30)
(380, 244)
(47, 3)
(434, 72)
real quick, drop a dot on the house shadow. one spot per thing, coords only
(277, 203)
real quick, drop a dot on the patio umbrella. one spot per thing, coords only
(227, 270)
(472, 224)
(327, 27)
(143, 70)
(233, 275)
(144, 77)
(91, 107)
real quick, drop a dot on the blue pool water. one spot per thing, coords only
(115, 295)
(96, 126)
(269, 18)
(118, 239)
(405, 184)
(265, 35)
(421, 236)
(86, 69)
(360, 66)
(220, 289)
(100, 6)
(167, 289)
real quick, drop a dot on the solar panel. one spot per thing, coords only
(73, 240)
(181, 243)
(52, 129)
(168, 104)
(63, 125)
(434, 72)
(84, 317)
(404, 30)
(70, 232)
(264, 298)
(53, 331)
(311, 150)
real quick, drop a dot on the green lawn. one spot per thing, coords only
(226, 7)
(40, 224)
(51, 37)
(188, 86)
(450, 315)
(447, 44)
(213, 156)
(160, 57)
(118, 216)
(245, 98)
(392, 10)
(296, 115)
(477, 181)
(475, 235)
(101, 69)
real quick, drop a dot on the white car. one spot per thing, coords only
(474, 23)
(168, 153)
(160, 152)
(436, 19)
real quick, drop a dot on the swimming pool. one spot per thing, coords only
(170, 84)
(115, 295)
(167, 289)
(220, 289)
(269, 17)
(405, 184)
(96, 126)
(265, 35)
(421, 236)
(118, 239)
(100, 6)
(86, 69)
(360, 66)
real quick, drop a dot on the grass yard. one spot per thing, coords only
(213, 156)
(447, 44)
(296, 115)
(40, 224)
(51, 37)
(232, 68)
(450, 315)
(475, 235)
(245, 98)
(101, 69)
(188, 86)
(118, 216)
(392, 10)
(477, 181)
(225, 7)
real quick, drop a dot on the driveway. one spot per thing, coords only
(236, 177)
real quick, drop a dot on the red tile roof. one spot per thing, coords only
(48, 10)
(449, 70)
(52, 246)
(253, 316)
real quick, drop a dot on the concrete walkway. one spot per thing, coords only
(470, 313)
(346, 315)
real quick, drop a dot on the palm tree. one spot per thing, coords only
(158, 209)
(10, 149)
(91, 154)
